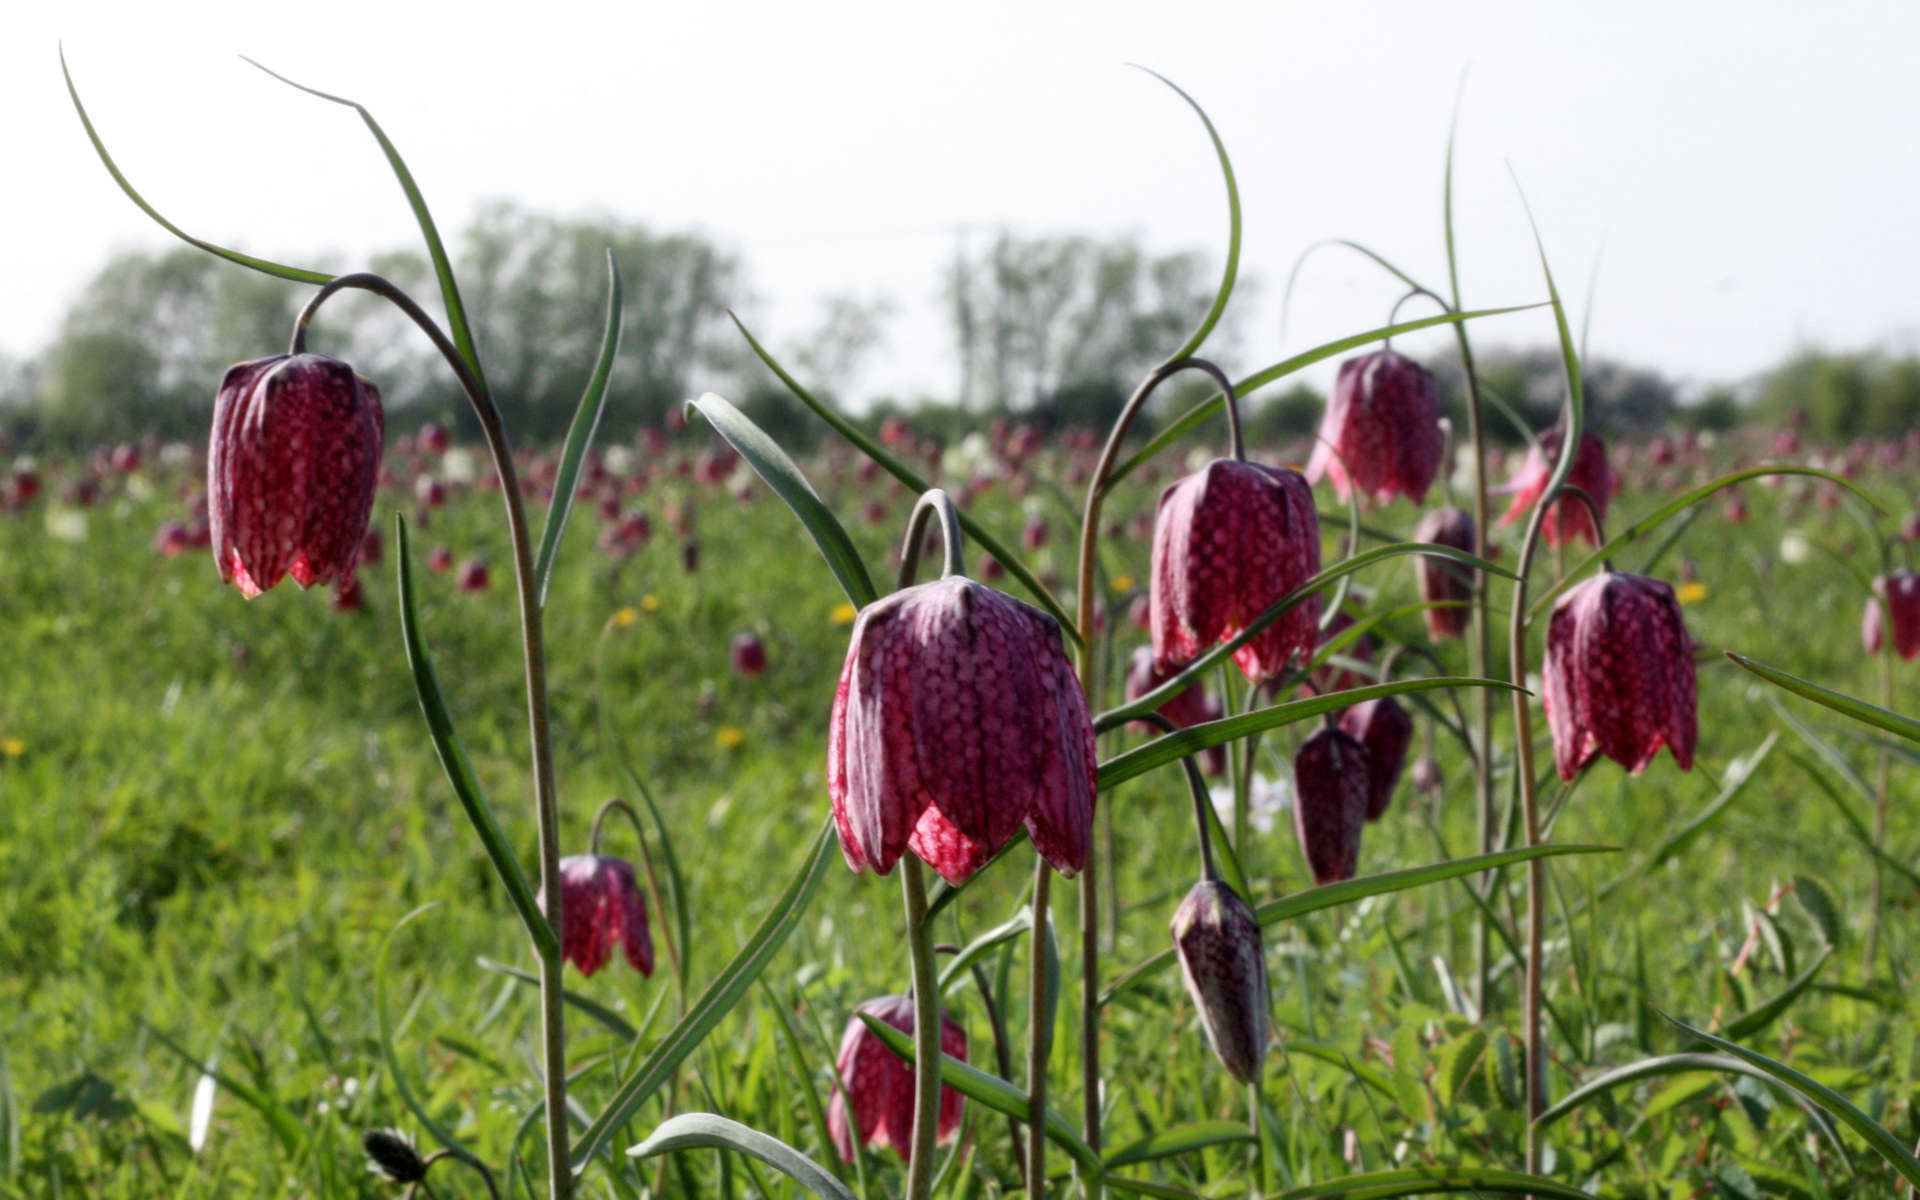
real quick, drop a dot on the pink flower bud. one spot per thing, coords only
(472, 576)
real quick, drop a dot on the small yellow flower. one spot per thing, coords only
(728, 737)
(626, 616)
(844, 613)
(12, 747)
(1123, 583)
(650, 602)
(1691, 593)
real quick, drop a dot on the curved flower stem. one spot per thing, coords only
(616, 804)
(1573, 491)
(926, 1032)
(1040, 1035)
(1083, 617)
(545, 797)
(426, 1164)
(1198, 786)
(953, 559)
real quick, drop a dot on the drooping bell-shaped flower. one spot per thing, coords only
(1447, 585)
(874, 1101)
(1590, 473)
(1229, 541)
(1385, 730)
(1899, 593)
(291, 468)
(1187, 707)
(1330, 794)
(1618, 677)
(1381, 430)
(958, 720)
(1217, 940)
(601, 906)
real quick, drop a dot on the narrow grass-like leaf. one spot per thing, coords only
(716, 1002)
(990, 1090)
(1730, 788)
(784, 476)
(1853, 821)
(1429, 1181)
(1146, 1187)
(1574, 423)
(1674, 1064)
(1195, 738)
(391, 1054)
(264, 266)
(457, 324)
(1872, 1132)
(690, 1131)
(287, 1129)
(1193, 417)
(906, 475)
(1654, 519)
(1285, 908)
(615, 1024)
(453, 755)
(1232, 269)
(797, 1061)
(1279, 608)
(1840, 702)
(1182, 1139)
(586, 419)
(1762, 1015)
(1335, 1057)
(9, 1119)
(980, 946)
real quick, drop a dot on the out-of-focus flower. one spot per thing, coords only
(291, 468)
(1618, 677)
(1381, 430)
(473, 575)
(1217, 940)
(649, 603)
(1186, 707)
(1330, 803)
(1449, 585)
(729, 737)
(1385, 729)
(1795, 549)
(1691, 592)
(601, 907)
(748, 655)
(956, 721)
(843, 613)
(874, 1102)
(1899, 592)
(1590, 473)
(625, 615)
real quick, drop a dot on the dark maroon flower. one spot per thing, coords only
(1618, 677)
(956, 721)
(126, 458)
(171, 539)
(371, 547)
(748, 655)
(601, 905)
(1447, 585)
(1034, 534)
(1229, 541)
(875, 1098)
(1217, 940)
(440, 558)
(291, 467)
(1590, 473)
(1187, 707)
(472, 576)
(1330, 792)
(430, 492)
(348, 597)
(1736, 511)
(690, 556)
(1385, 729)
(1381, 430)
(434, 438)
(1899, 591)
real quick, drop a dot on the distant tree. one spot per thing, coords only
(1843, 395)
(1622, 400)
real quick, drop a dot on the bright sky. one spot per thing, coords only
(1750, 168)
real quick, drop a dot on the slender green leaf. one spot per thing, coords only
(1146, 1187)
(1429, 1181)
(1333, 1056)
(906, 475)
(1735, 783)
(1840, 702)
(797, 1062)
(1182, 1139)
(391, 1053)
(990, 1090)
(264, 266)
(287, 1129)
(1232, 269)
(691, 1131)
(771, 463)
(716, 1002)
(586, 419)
(1762, 1015)
(453, 755)
(615, 1024)
(980, 946)
(1286, 908)
(1884, 1143)
(1194, 738)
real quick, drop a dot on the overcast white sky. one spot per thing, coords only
(1750, 167)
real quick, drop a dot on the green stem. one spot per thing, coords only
(1881, 790)
(1039, 1037)
(926, 1032)
(546, 801)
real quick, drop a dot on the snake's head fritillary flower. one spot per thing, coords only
(1899, 592)
(434, 438)
(291, 469)
(1187, 707)
(1618, 676)
(473, 576)
(1330, 794)
(874, 1102)
(1590, 473)
(1217, 940)
(956, 721)
(748, 656)
(1229, 541)
(1385, 730)
(601, 906)
(1381, 430)
(1447, 585)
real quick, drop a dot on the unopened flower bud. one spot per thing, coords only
(1217, 940)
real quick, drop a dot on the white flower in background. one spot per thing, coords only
(618, 459)
(66, 524)
(1795, 549)
(970, 456)
(1266, 800)
(458, 465)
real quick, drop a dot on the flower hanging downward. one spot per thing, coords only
(291, 469)
(958, 720)
(1590, 473)
(600, 905)
(1216, 937)
(1381, 430)
(1618, 677)
(1229, 541)
(876, 1086)
(1445, 584)
(1331, 790)
(1899, 593)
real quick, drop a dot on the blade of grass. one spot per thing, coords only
(1232, 269)
(586, 419)
(690, 1131)
(1840, 702)
(615, 1024)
